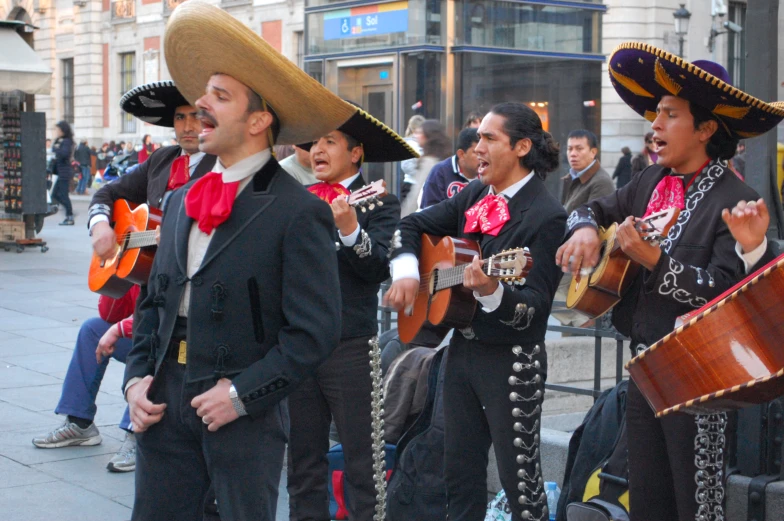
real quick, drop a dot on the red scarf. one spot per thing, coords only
(179, 175)
(327, 192)
(488, 215)
(670, 193)
(210, 201)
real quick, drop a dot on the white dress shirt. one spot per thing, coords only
(406, 265)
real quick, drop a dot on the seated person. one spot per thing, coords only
(100, 338)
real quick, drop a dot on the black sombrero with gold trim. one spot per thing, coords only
(154, 103)
(380, 143)
(643, 74)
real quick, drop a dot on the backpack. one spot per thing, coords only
(339, 499)
(606, 496)
(591, 445)
(417, 489)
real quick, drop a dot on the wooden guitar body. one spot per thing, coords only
(130, 265)
(436, 312)
(725, 356)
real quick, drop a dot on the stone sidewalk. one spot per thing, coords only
(43, 300)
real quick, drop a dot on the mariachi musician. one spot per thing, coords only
(168, 168)
(697, 118)
(496, 367)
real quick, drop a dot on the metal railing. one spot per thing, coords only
(602, 329)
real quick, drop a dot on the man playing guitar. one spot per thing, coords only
(675, 463)
(496, 367)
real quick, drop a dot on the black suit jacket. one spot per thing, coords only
(698, 260)
(364, 266)
(265, 303)
(537, 221)
(147, 184)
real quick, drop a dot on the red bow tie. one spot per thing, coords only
(210, 201)
(327, 192)
(179, 175)
(488, 215)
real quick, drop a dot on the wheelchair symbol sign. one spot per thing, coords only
(345, 27)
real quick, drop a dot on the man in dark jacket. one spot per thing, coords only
(83, 156)
(451, 175)
(623, 170)
(342, 387)
(244, 301)
(166, 169)
(63, 149)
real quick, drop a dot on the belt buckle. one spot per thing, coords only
(182, 355)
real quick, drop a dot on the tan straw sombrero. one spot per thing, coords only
(202, 40)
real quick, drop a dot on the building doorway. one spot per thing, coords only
(371, 82)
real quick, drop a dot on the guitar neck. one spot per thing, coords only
(138, 239)
(450, 277)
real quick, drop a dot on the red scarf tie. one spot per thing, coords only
(327, 192)
(210, 201)
(670, 193)
(488, 215)
(179, 175)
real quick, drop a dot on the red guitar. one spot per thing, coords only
(135, 227)
(443, 302)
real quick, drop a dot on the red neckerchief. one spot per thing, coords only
(670, 193)
(327, 192)
(210, 201)
(487, 216)
(179, 175)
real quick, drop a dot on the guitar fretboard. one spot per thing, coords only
(138, 240)
(448, 277)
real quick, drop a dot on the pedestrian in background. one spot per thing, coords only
(647, 157)
(623, 170)
(83, 156)
(409, 166)
(63, 152)
(435, 147)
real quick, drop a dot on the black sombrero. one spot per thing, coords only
(643, 74)
(380, 143)
(154, 103)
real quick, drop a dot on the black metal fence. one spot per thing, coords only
(387, 319)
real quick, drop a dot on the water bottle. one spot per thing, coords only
(553, 493)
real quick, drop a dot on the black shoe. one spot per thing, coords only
(67, 222)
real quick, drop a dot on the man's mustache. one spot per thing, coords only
(203, 114)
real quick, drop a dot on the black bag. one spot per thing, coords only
(606, 496)
(592, 444)
(417, 489)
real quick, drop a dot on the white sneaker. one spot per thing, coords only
(125, 459)
(69, 434)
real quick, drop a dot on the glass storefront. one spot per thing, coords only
(394, 58)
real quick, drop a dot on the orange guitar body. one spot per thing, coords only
(436, 312)
(726, 356)
(130, 265)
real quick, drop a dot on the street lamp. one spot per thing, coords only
(681, 16)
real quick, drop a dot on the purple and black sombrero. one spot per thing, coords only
(643, 74)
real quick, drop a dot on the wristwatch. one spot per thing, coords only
(239, 407)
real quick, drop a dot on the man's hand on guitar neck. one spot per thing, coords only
(631, 242)
(476, 280)
(401, 295)
(104, 240)
(581, 251)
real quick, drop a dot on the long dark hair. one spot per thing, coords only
(436, 141)
(66, 129)
(522, 122)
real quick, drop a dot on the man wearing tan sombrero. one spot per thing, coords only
(236, 316)
(697, 118)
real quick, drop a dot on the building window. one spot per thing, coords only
(299, 47)
(68, 90)
(736, 50)
(127, 82)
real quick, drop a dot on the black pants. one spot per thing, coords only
(478, 411)
(662, 466)
(60, 195)
(340, 390)
(178, 458)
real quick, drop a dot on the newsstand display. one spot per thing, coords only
(23, 177)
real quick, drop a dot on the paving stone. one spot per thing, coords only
(46, 363)
(90, 473)
(14, 376)
(59, 500)
(52, 334)
(18, 446)
(24, 322)
(19, 345)
(18, 418)
(13, 474)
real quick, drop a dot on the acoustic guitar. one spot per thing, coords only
(443, 303)
(726, 355)
(135, 227)
(598, 293)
